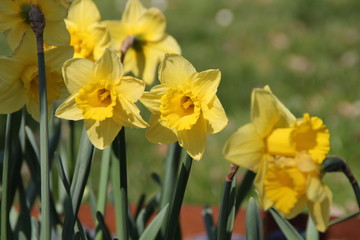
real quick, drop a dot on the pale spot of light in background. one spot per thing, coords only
(161, 4)
(224, 17)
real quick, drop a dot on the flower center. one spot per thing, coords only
(54, 84)
(97, 100)
(82, 42)
(308, 135)
(180, 109)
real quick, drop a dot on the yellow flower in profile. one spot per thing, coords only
(292, 183)
(89, 37)
(19, 77)
(147, 27)
(102, 96)
(286, 154)
(14, 21)
(184, 106)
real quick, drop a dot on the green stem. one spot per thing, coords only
(170, 175)
(104, 175)
(119, 147)
(5, 180)
(178, 197)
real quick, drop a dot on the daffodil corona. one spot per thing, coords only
(286, 154)
(102, 96)
(19, 77)
(14, 20)
(89, 37)
(150, 43)
(184, 106)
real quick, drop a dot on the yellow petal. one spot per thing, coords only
(55, 33)
(299, 206)
(101, 38)
(8, 21)
(215, 116)
(175, 70)
(77, 73)
(320, 211)
(194, 140)
(69, 110)
(158, 133)
(56, 57)
(167, 44)
(118, 31)
(53, 10)
(108, 67)
(316, 191)
(101, 133)
(151, 60)
(259, 182)
(133, 10)
(151, 25)
(206, 84)
(128, 114)
(12, 96)
(26, 50)
(131, 88)
(10, 70)
(151, 99)
(84, 13)
(268, 112)
(245, 148)
(8, 7)
(14, 35)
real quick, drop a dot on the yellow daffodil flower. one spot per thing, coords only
(286, 154)
(102, 96)
(184, 106)
(89, 37)
(19, 77)
(14, 20)
(150, 43)
(292, 183)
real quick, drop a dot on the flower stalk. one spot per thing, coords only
(37, 23)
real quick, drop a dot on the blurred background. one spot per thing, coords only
(307, 51)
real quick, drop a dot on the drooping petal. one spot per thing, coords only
(175, 70)
(56, 34)
(151, 99)
(267, 112)
(101, 133)
(133, 10)
(69, 110)
(151, 60)
(108, 67)
(127, 114)
(245, 148)
(316, 190)
(205, 84)
(299, 206)
(320, 211)
(158, 133)
(12, 97)
(215, 116)
(84, 13)
(131, 88)
(77, 73)
(194, 140)
(151, 25)
(56, 57)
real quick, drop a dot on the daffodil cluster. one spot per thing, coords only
(286, 153)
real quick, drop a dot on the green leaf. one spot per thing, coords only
(209, 222)
(311, 231)
(244, 188)
(253, 221)
(105, 231)
(152, 230)
(288, 230)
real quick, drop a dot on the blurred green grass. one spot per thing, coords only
(308, 51)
